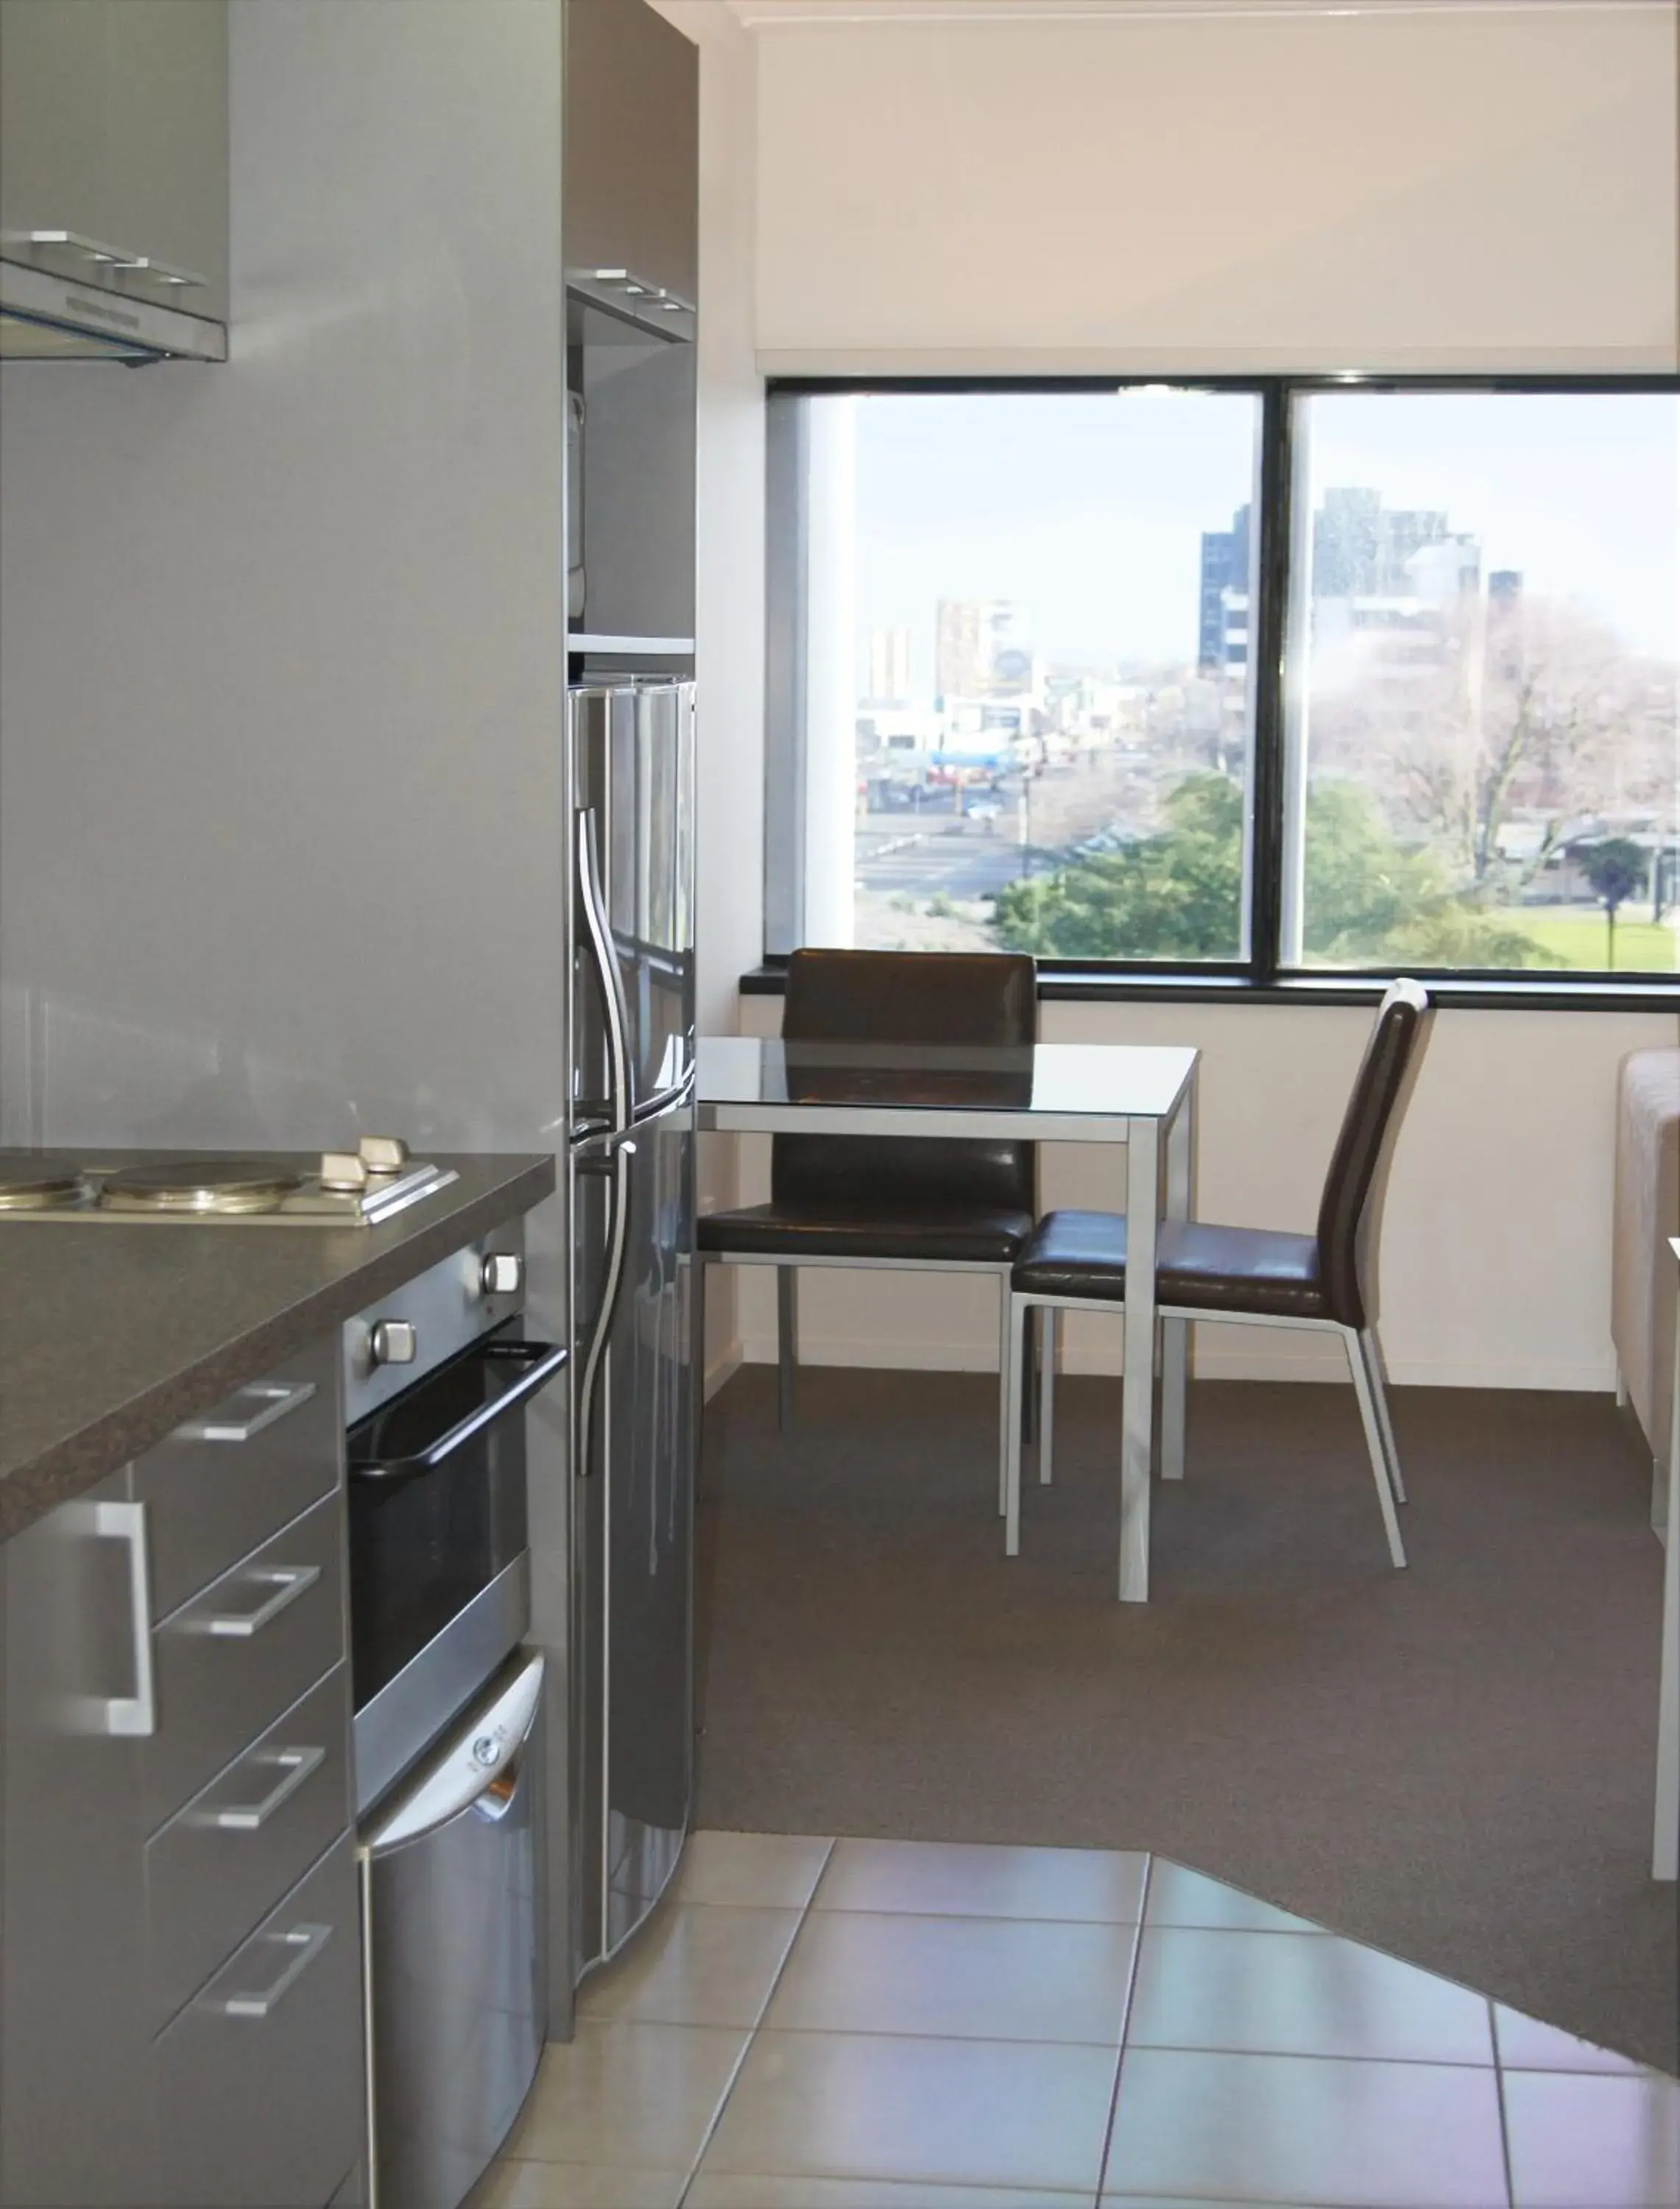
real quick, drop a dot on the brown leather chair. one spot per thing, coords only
(1327, 1279)
(947, 1205)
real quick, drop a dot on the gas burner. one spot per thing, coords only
(201, 1186)
(340, 1189)
(37, 1181)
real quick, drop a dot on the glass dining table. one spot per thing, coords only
(1140, 1096)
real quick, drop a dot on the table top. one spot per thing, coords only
(1083, 1093)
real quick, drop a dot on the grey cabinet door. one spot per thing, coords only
(73, 1992)
(113, 124)
(632, 142)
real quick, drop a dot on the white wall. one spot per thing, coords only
(1313, 188)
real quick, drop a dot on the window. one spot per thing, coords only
(1485, 633)
(1251, 679)
(1026, 697)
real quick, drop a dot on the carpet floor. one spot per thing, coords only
(1453, 1763)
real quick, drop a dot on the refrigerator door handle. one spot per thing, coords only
(620, 1152)
(611, 981)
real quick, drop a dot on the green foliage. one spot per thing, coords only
(1616, 869)
(1177, 893)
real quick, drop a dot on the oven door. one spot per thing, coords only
(438, 1540)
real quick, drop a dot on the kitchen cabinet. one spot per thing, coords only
(632, 145)
(113, 126)
(182, 1947)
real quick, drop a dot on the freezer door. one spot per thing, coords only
(633, 1025)
(635, 1504)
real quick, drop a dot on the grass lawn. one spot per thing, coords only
(1581, 940)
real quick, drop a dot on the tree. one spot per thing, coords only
(1177, 893)
(1530, 710)
(1615, 870)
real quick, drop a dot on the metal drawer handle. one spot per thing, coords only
(119, 257)
(136, 1714)
(288, 1582)
(296, 1765)
(278, 1400)
(308, 1941)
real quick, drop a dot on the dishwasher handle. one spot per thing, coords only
(481, 1765)
(541, 1361)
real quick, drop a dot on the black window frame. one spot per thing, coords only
(1261, 978)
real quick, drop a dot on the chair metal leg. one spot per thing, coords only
(1362, 1390)
(1049, 1317)
(1033, 1348)
(1379, 1388)
(787, 1343)
(1008, 1339)
(1015, 1362)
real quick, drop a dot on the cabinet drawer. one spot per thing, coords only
(226, 1480)
(235, 1850)
(261, 2076)
(228, 1663)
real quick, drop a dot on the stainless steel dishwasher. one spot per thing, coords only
(452, 1917)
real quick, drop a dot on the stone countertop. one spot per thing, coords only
(111, 1335)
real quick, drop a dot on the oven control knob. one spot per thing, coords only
(502, 1274)
(486, 1750)
(343, 1171)
(393, 1342)
(383, 1155)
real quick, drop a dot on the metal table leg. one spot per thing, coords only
(1137, 1413)
(1665, 1848)
(1176, 1332)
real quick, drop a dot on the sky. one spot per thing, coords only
(1089, 508)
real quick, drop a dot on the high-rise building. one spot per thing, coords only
(983, 648)
(1363, 550)
(1224, 592)
(890, 667)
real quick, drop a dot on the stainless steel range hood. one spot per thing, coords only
(43, 316)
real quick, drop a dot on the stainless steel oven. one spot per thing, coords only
(436, 1381)
(448, 1778)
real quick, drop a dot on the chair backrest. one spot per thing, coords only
(1350, 1210)
(900, 998)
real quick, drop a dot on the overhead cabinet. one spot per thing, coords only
(113, 176)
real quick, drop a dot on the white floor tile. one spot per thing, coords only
(742, 2193)
(966, 1880)
(958, 2112)
(770, 1871)
(627, 2095)
(575, 2186)
(986, 1979)
(1593, 2143)
(1280, 2129)
(703, 1965)
(1179, 1896)
(1526, 2044)
(1299, 1994)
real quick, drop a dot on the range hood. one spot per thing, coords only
(45, 317)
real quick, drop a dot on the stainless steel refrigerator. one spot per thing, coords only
(636, 1298)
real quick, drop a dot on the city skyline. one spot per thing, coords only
(1090, 510)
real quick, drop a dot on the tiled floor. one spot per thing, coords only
(886, 2025)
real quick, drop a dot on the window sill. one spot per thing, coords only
(1068, 986)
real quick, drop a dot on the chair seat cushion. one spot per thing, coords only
(815, 1230)
(1235, 1269)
